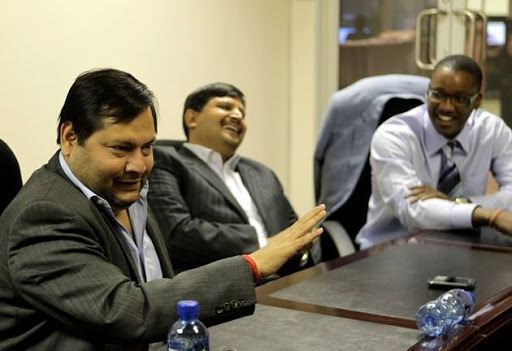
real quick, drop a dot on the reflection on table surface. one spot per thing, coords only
(368, 300)
(274, 328)
(484, 236)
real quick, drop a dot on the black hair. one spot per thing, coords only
(462, 63)
(102, 93)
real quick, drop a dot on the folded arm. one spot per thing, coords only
(415, 204)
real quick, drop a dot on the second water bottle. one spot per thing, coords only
(436, 317)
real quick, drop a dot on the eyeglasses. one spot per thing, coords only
(460, 100)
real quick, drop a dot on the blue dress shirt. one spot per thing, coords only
(142, 249)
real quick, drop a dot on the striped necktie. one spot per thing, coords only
(449, 177)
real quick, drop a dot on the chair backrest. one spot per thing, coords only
(170, 142)
(352, 214)
(10, 176)
(342, 169)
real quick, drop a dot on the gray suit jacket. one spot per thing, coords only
(68, 280)
(352, 116)
(201, 220)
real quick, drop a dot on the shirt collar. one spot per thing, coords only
(212, 157)
(435, 141)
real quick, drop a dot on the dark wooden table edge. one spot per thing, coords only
(422, 237)
(490, 316)
(465, 339)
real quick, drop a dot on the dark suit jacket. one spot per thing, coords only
(10, 176)
(68, 280)
(201, 220)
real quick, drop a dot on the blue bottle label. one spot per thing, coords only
(186, 344)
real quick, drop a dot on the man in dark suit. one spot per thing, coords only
(209, 202)
(83, 265)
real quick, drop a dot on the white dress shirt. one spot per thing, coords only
(405, 151)
(227, 172)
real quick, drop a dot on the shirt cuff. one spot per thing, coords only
(461, 215)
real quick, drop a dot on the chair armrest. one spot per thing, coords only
(339, 236)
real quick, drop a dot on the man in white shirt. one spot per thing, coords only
(210, 202)
(419, 181)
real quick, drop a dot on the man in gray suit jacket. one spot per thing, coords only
(83, 265)
(210, 202)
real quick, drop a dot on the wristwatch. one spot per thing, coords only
(462, 200)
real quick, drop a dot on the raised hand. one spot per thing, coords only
(289, 242)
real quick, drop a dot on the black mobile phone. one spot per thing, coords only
(451, 282)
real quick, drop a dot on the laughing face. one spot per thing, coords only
(453, 95)
(115, 161)
(220, 125)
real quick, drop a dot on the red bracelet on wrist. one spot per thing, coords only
(254, 267)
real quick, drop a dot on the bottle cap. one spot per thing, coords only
(188, 309)
(470, 293)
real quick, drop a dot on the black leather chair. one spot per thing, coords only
(170, 142)
(342, 173)
(10, 176)
(352, 214)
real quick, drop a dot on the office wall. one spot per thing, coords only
(173, 46)
(313, 78)
(491, 8)
(268, 48)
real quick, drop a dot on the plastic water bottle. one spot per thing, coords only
(188, 333)
(436, 317)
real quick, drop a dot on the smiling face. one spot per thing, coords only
(115, 161)
(220, 125)
(449, 116)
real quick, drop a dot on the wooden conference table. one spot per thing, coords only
(368, 300)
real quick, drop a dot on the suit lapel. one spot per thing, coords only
(54, 166)
(254, 186)
(159, 244)
(201, 168)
